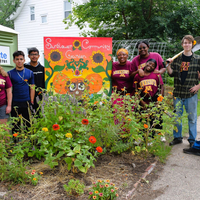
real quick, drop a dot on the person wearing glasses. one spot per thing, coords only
(39, 74)
(139, 62)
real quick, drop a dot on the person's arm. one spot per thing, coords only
(139, 71)
(32, 93)
(9, 100)
(169, 69)
(161, 71)
(195, 89)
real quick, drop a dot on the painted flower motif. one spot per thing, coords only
(56, 127)
(94, 197)
(97, 57)
(85, 121)
(45, 129)
(96, 192)
(68, 135)
(15, 134)
(100, 194)
(145, 126)
(34, 179)
(194, 42)
(76, 44)
(92, 139)
(55, 56)
(25, 80)
(160, 98)
(99, 149)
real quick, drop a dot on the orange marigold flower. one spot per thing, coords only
(95, 102)
(85, 121)
(136, 92)
(140, 88)
(127, 94)
(160, 98)
(146, 126)
(15, 134)
(135, 81)
(122, 89)
(34, 179)
(56, 127)
(159, 133)
(145, 91)
(92, 139)
(99, 149)
(39, 93)
(129, 119)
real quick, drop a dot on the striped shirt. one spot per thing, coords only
(182, 91)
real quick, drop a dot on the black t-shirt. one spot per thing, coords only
(184, 67)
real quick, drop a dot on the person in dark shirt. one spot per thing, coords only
(39, 75)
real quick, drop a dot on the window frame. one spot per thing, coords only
(69, 11)
(32, 14)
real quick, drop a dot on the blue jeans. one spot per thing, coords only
(191, 108)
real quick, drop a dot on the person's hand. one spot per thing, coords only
(156, 71)
(169, 61)
(8, 109)
(141, 72)
(194, 89)
(198, 75)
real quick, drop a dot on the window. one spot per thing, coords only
(44, 19)
(67, 8)
(32, 13)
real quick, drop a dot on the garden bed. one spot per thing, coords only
(123, 170)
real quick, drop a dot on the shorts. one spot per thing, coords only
(3, 114)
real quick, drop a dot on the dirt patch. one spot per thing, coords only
(123, 170)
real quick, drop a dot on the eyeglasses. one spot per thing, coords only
(142, 48)
(34, 54)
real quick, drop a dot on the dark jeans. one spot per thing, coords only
(21, 111)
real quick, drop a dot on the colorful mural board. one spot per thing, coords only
(73, 64)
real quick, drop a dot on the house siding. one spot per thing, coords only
(31, 33)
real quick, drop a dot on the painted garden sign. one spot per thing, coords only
(75, 64)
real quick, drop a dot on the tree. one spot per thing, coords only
(130, 19)
(7, 8)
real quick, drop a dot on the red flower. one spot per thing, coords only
(56, 127)
(85, 121)
(15, 134)
(99, 149)
(92, 139)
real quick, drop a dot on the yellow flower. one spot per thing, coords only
(34, 179)
(96, 192)
(68, 135)
(108, 181)
(98, 57)
(60, 118)
(194, 42)
(41, 173)
(45, 129)
(55, 56)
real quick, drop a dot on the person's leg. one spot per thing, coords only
(191, 109)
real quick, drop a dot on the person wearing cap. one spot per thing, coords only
(139, 62)
(121, 71)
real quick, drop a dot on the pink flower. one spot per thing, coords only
(101, 186)
(32, 173)
(90, 193)
(100, 194)
(26, 172)
(112, 190)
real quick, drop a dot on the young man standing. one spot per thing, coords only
(39, 75)
(185, 69)
(23, 89)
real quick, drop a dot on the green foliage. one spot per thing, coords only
(7, 8)
(127, 19)
(74, 187)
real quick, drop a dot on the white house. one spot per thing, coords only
(35, 19)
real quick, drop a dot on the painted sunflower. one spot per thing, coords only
(97, 57)
(55, 56)
(76, 45)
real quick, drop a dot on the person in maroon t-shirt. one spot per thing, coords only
(121, 72)
(150, 86)
(138, 62)
(5, 96)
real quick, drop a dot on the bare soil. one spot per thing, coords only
(123, 170)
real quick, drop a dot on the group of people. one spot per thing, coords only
(20, 87)
(145, 72)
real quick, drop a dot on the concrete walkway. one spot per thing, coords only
(180, 178)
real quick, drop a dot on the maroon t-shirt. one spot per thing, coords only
(148, 86)
(121, 77)
(139, 63)
(5, 83)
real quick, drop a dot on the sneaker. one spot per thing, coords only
(191, 144)
(192, 151)
(162, 139)
(175, 141)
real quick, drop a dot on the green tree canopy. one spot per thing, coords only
(130, 19)
(7, 8)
